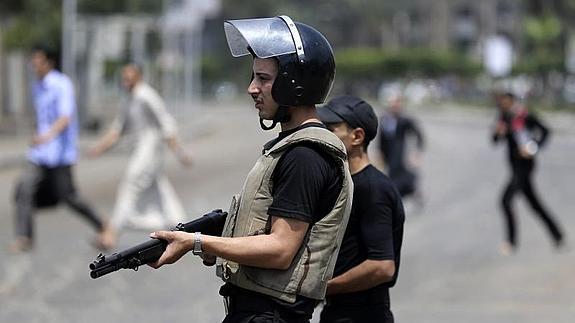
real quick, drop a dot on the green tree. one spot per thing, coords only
(29, 22)
(32, 21)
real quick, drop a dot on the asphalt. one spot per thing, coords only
(451, 269)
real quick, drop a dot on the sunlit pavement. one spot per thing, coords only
(451, 270)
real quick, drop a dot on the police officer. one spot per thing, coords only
(368, 260)
(283, 231)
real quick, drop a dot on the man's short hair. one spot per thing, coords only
(136, 66)
(51, 52)
(508, 95)
(504, 94)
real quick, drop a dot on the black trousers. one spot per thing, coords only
(261, 317)
(248, 307)
(521, 181)
(405, 181)
(372, 313)
(42, 186)
(259, 311)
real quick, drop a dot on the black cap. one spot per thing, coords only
(352, 110)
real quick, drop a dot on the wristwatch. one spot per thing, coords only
(197, 251)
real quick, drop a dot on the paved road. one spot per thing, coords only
(451, 270)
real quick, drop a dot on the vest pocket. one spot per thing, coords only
(285, 281)
(324, 244)
(224, 267)
(257, 227)
(232, 216)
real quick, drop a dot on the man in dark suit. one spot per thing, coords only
(395, 130)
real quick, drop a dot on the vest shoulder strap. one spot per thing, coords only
(317, 135)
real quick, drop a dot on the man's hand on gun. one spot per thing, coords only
(179, 243)
(166, 247)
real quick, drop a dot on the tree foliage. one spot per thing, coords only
(29, 22)
(378, 64)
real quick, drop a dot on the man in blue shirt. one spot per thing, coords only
(47, 178)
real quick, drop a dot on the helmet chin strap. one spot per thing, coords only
(266, 128)
(281, 116)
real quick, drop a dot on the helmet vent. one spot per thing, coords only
(298, 91)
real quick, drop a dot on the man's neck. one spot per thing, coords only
(299, 116)
(42, 76)
(358, 160)
(137, 84)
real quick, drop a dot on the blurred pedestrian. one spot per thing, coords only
(281, 238)
(525, 135)
(402, 164)
(145, 199)
(48, 176)
(368, 260)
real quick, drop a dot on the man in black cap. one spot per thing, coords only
(368, 260)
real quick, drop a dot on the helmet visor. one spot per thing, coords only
(267, 37)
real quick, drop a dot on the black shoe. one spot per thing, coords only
(561, 245)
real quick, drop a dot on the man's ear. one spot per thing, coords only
(358, 136)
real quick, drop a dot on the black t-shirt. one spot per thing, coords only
(375, 227)
(307, 181)
(306, 184)
(539, 131)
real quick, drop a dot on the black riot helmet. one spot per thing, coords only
(306, 65)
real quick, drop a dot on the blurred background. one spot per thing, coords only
(436, 50)
(446, 57)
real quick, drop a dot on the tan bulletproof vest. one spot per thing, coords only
(314, 262)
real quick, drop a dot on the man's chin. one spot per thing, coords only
(265, 116)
